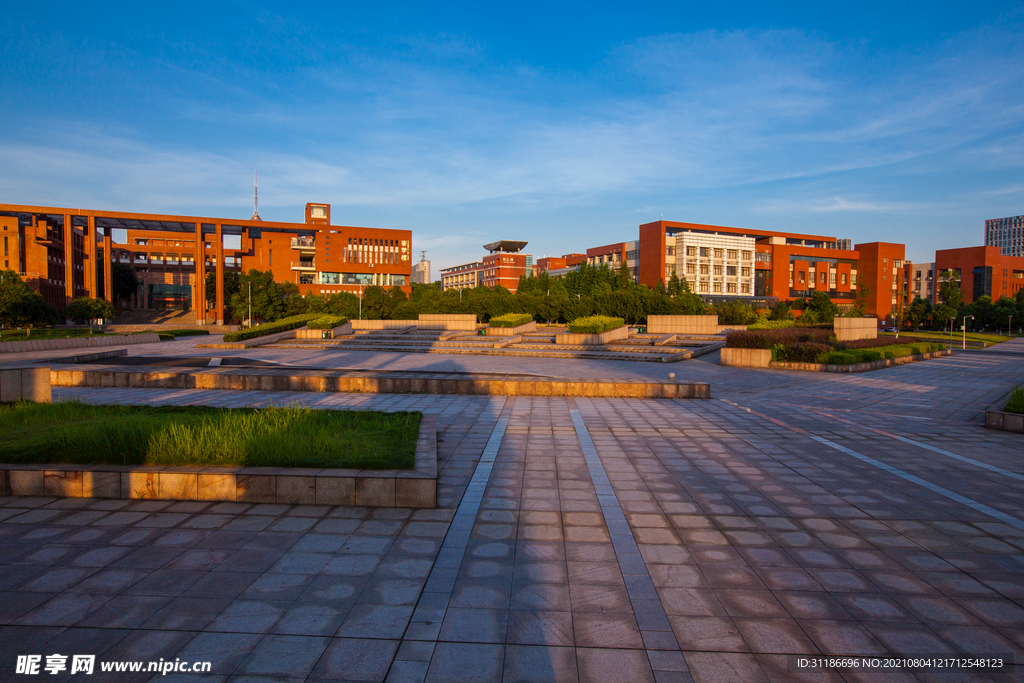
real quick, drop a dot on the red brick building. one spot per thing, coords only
(504, 265)
(67, 253)
(981, 271)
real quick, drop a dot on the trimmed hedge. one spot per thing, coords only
(263, 330)
(510, 320)
(1016, 402)
(595, 324)
(327, 322)
(879, 353)
(772, 325)
(187, 333)
(800, 352)
(769, 339)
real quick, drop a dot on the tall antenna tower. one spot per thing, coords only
(255, 197)
(423, 256)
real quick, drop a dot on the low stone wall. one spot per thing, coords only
(591, 339)
(746, 358)
(306, 333)
(25, 384)
(76, 342)
(255, 341)
(682, 324)
(1007, 422)
(446, 321)
(510, 331)
(858, 367)
(254, 379)
(848, 329)
(372, 488)
(381, 324)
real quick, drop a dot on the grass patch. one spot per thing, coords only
(595, 324)
(986, 339)
(878, 353)
(81, 434)
(282, 325)
(1016, 402)
(46, 333)
(187, 333)
(772, 325)
(510, 320)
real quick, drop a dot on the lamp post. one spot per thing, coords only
(360, 301)
(951, 331)
(250, 303)
(964, 329)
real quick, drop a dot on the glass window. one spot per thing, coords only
(718, 270)
(691, 269)
(733, 253)
(718, 287)
(330, 278)
(704, 269)
(719, 253)
(730, 270)
(730, 287)
(705, 251)
(746, 272)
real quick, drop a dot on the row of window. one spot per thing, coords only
(706, 269)
(713, 252)
(823, 278)
(716, 287)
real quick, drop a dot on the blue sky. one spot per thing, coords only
(566, 125)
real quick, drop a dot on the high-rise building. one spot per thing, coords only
(922, 281)
(1007, 234)
(421, 270)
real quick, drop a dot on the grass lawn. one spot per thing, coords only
(879, 353)
(46, 333)
(986, 339)
(77, 433)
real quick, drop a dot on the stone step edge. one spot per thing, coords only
(327, 383)
(1003, 421)
(415, 488)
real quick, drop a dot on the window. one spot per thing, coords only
(822, 277)
(704, 269)
(842, 278)
(717, 287)
(704, 287)
(746, 256)
(733, 253)
(762, 258)
(730, 287)
(730, 270)
(718, 270)
(691, 251)
(691, 269)
(705, 251)
(801, 277)
(669, 251)
(719, 253)
(746, 272)
(745, 288)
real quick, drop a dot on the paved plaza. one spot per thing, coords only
(792, 515)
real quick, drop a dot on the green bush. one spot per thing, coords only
(263, 330)
(595, 324)
(187, 333)
(771, 324)
(165, 336)
(327, 322)
(511, 320)
(878, 353)
(1016, 402)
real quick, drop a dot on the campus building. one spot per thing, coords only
(982, 271)
(560, 265)
(1007, 234)
(503, 265)
(766, 265)
(922, 281)
(421, 270)
(68, 253)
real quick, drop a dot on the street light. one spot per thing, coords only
(951, 331)
(964, 329)
(250, 303)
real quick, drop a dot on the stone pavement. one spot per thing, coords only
(577, 540)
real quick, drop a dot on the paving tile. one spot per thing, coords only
(449, 663)
(355, 659)
(279, 655)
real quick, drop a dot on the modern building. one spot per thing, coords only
(421, 270)
(560, 265)
(67, 253)
(503, 265)
(981, 271)
(1007, 234)
(922, 281)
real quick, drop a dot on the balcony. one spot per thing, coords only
(303, 265)
(304, 243)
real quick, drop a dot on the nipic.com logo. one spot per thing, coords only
(33, 665)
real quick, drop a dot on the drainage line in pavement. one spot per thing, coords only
(952, 495)
(654, 625)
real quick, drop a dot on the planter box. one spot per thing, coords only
(1007, 422)
(76, 342)
(510, 331)
(25, 384)
(683, 324)
(306, 333)
(381, 324)
(255, 341)
(304, 486)
(746, 358)
(848, 329)
(588, 339)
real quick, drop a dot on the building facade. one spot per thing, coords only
(503, 265)
(1007, 234)
(421, 270)
(981, 271)
(67, 253)
(464, 276)
(922, 281)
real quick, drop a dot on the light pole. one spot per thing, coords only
(250, 303)
(951, 331)
(360, 301)
(964, 329)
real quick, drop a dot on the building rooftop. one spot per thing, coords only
(507, 246)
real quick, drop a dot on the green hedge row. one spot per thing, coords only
(327, 322)
(1016, 402)
(772, 325)
(510, 320)
(595, 324)
(263, 330)
(878, 353)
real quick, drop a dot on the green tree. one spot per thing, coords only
(780, 311)
(860, 301)
(822, 307)
(86, 308)
(126, 282)
(270, 300)
(232, 285)
(20, 306)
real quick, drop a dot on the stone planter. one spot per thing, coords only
(510, 331)
(25, 384)
(746, 358)
(1007, 422)
(306, 333)
(586, 339)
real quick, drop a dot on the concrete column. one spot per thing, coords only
(89, 264)
(69, 259)
(199, 304)
(219, 249)
(108, 276)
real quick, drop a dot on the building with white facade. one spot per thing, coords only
(1007, 234)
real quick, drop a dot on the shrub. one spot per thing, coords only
(327, 322)
(511, 320)
(165, 336)
(187, 333)
(1016, 402)
(595, 324)
(800, 352)
(284, 325)
(771, 324)
(840, 357)
(767, 339)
